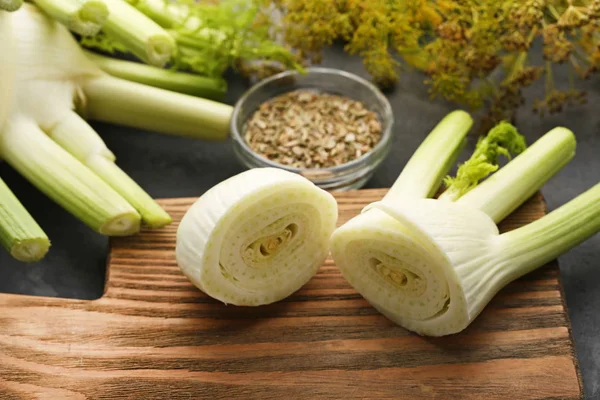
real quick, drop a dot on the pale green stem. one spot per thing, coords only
(424, 172)
(80, 140)
(165, 14)
(138, 33)
(195, 85)
(10, 5)
(66, 180)
(20, 235)
(541, 241)
(510, 186)
(199, 41)
(153, 216)
(122, 102)
(85, 17)
(75, 135)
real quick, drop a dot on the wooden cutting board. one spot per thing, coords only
(154, 336)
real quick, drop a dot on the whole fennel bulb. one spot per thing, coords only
(46, 141)
(48, 86)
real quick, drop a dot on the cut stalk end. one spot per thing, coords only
(90, 18)
(159, 49)
(10, 5)
(76, 136)
(19, 233)
(122, 225)
(138, 33)
(30, 250)
(84, 18)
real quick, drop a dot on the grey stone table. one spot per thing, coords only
(168, 166)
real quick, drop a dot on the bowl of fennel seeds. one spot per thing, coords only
(330, 126)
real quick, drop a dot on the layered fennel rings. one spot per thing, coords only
(257, 237)
(403, 277)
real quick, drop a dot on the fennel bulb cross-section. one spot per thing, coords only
(257, 237)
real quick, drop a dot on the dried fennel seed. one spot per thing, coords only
(308, 129)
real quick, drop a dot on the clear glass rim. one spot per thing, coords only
(386, 115)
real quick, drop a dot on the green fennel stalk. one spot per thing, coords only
(509, 187)
(423, 173)
(139, 34)
(181, 82)
(210, 38)
(120, 101)
(85, 17)
(75, 135)
(20, 235)
(65, 180)
(545, 239)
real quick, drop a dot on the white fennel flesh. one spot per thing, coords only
(257, 237)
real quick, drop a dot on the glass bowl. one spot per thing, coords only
(351, 175)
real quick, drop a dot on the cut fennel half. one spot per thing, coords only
(461, 261)
(432, 265)
(257, 237)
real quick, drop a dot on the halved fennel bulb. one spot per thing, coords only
(432, 265)
(257, 237)
(455, 261)
(405, 274)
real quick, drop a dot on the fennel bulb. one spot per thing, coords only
(51, 145)
(58, 151)
(432, 265)
(257, 237)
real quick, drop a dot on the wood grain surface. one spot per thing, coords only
(154, 336)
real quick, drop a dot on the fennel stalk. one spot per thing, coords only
(20, 235)
(85, 17)
(181, 82)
